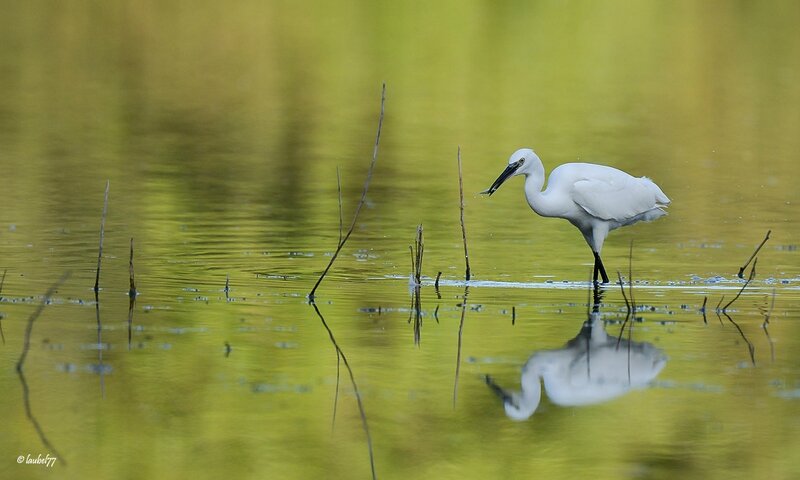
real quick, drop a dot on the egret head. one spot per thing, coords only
(521, 162)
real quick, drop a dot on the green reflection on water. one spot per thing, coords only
(220, 128)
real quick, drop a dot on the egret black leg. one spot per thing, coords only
(598, 267)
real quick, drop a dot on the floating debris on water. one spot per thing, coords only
(284, 328)
(184, 330)
(66, 367)
(364, 255)
(279, 388)
(103, 369)
(490, 360)
(788, 394)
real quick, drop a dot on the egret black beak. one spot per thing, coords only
(509, 171)
(498, 390)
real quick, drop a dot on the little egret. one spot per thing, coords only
(592, 368)
(594, 198)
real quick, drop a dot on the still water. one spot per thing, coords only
(220, 129)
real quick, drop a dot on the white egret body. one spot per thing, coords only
(594, 198)
(591, 368)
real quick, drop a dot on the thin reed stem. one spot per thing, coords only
(360, 203)
(418, 257)
(132, 276)
(627, 307)
(703, 310)
(747, 282)
(361, 410)
(463, 228)
(26, 346)
(458, 350)
(336, 394)
(102, 236)
(750, 348)
(743, 267)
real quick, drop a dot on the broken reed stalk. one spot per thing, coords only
(589, 299)
(357, 392)
(622, 289)
(336, 394)
(132, 289)
(26, 346)
(416, 310)
(743, 267)
(131, 305)
(418, 256)
(750, 348)
(131, 297)
(416, 266)
(360, 203)
(436, 285)
(703, 310)
(750, 277)
(747, 282)
(717, 310)
(227, 286)
(513, 315)
(767, 314)
(463, 229)
(458, 350)
(102, 235)
(631, 308)
(720, 302)
(627, 307)
(20, 363)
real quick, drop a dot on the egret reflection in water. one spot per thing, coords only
(593, 367)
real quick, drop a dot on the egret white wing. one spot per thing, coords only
(620, 198)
